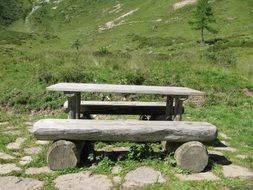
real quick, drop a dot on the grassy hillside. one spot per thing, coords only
(133, 42)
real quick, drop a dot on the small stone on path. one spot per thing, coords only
(224, 143)
(42, 142)
(38, 170)
(241, 156)
(197, 176)
(7, 168)
(32, 150)
(18, 183)
(28, 123)
(16, 145)
(80, 181)
(12, 132)
(116, 179)
(5, 156)
(233, 171)
(213, 152)
(116, 170)
(4, 123)
(224, 136)
(229, 149)
(142, 176)
(25, 160)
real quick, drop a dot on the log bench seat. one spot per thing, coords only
(124, 130)
(70, 135)
(122, 108)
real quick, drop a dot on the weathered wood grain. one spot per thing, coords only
(192, 156)
(127, 130)
(132, 89)
(64, 154)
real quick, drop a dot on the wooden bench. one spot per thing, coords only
(69, 136)
(123, 108)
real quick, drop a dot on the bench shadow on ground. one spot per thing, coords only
(216, 143)
(114, 155)
(214, 159)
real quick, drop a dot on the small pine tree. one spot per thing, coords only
(76, 44)
(203, 16)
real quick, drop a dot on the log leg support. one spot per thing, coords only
(192, 156)
(74, 101)
(174, 114)
(64, 154)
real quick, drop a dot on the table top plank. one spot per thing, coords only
(126, 89)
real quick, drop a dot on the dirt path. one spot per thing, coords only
(183, 3)
(117, 21)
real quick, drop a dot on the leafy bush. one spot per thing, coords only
(45, 76)
(136, 78)
(103, 51)
(11, 11)
(222, 57)
(139, 151)
(76, 44)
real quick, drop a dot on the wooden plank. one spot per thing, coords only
(178, 109)
(121, 107)
(169, 108)
(78, 102)
(125, 130)
(132, 89)
(120, 103)
(72, 106)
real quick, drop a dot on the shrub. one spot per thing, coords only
(103, 51)
(46, 76)
(139, 151)
(222, 57)
(135, 78)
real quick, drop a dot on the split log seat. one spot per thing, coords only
(69, 133)
(124, 130)
(121, 108)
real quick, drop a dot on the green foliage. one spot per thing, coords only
(203, 17)
(156, 41)
(43, 18)
(11, 11)
(223, 57)
(139, 151)
(13, 37)
(76, 44)
(103, 51)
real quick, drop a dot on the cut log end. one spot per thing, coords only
(64, 154)
(192, 156)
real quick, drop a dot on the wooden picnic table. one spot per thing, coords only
(174, 102)
(72, 137)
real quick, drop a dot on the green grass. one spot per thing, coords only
(140, 51)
